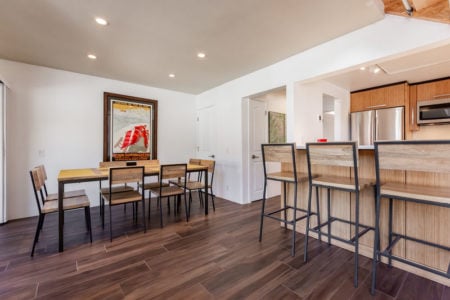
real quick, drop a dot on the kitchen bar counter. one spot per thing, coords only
(428, 222)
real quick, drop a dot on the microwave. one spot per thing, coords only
(433, 111)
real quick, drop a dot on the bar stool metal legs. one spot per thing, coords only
(282, 153)
(339, 155)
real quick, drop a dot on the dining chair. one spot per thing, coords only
(54, 196)
(50, 206)
(152, 163)
(167, 190)
(118, 188)
(195, 182)
(199, 184)
(125, 176)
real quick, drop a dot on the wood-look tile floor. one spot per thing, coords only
(213, 257)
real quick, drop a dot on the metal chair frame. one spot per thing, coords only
(330, 219)
(393, 237)
(285, 207)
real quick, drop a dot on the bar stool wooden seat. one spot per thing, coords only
(282, 154)
(340, 155)
(423, 162)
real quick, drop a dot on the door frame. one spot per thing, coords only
(245, 108)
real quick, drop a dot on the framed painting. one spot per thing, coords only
(277, 128)
(129, 128)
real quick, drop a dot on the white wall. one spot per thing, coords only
(387, 38)
(56, 118)
(309, 106)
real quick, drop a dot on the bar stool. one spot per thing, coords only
(282, 154)
(427, 157)
(335, 154)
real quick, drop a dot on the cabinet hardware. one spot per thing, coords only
(379, 105)
(442, 95)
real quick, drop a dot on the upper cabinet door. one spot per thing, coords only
(382, 97)
(433, 90)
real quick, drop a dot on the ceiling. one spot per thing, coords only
(146, 40)
(421, 65)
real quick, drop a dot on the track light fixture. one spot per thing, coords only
(408, 7)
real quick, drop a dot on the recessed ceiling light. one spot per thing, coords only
(171, 75)
(101, 21)
(92, 56)
(362, 68)
(201, 55)
(376, 70)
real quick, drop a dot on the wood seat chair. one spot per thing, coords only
(54, 196)
(152, 163)
(282, 154)
(118, 188)
(344, 157)
(196, 182)
(46, 206)
(167, 190)
(423, 163)
(125, 176)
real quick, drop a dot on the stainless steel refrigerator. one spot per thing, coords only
(377, 125)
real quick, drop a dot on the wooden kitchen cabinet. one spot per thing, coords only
(381, 97)
(433, 90)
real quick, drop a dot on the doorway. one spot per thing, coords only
(256, 111)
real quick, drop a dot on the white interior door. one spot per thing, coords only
(206, 132)
(257, 136)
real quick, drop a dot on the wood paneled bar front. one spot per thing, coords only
(427, 222)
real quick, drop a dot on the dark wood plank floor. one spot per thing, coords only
(213, 257)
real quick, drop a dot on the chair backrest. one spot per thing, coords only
(332, 154)
(424, 156)
(173, 171)
(279, 153)
(208, 163)
(195, 161)
(211, 164)
(126, 175)
(149, 162)
(112, 164)
(37, 183)
(43, 175)
(337, 154)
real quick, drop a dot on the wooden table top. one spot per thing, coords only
(87, 174)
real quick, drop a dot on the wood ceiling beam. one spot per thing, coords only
(431, 10)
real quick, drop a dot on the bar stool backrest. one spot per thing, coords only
(333, 154)
(280, 153)
(337, 154)
(425, 156)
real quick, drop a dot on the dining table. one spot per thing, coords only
(68, 176)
